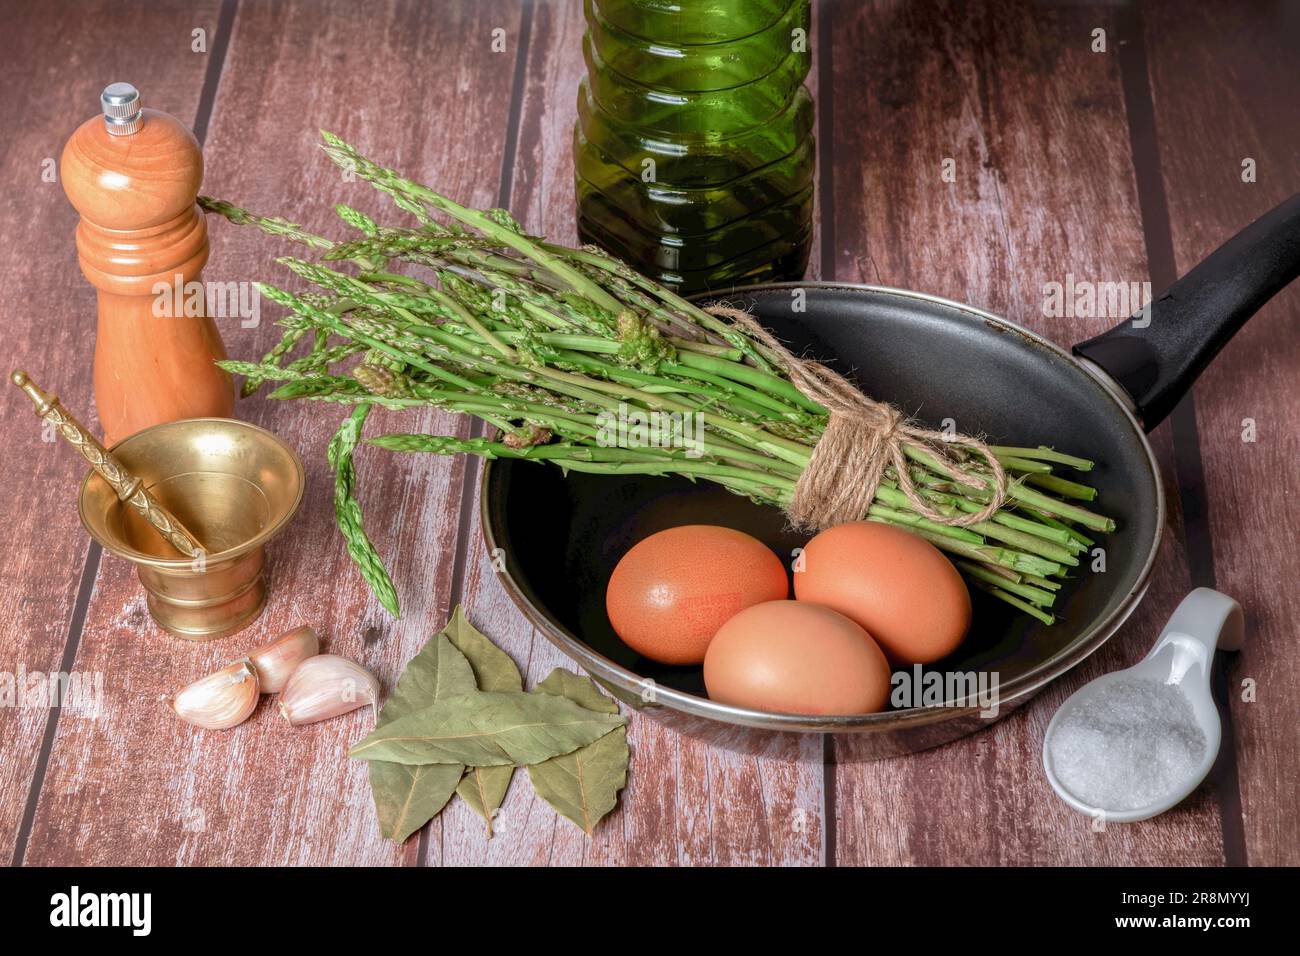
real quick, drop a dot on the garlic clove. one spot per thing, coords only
(326, 686)
(221, 700)
(276, 661)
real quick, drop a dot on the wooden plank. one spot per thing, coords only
(1224, 89)
(686, 802)
(427, 95)
(1044, 187)
(49, 316)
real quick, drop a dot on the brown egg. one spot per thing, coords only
(895, 584)
(796, 658)
(669, 594)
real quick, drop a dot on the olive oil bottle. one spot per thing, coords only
(694, 146)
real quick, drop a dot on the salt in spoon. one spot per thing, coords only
(1181, 657)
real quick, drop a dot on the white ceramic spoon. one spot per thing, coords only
(1182, 656)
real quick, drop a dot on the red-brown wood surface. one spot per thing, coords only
(686, 802)
(1046, 183)
(1246, 80)
(141, 786)
(57, 57)
(952, 84)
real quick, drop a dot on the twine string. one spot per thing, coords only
(862, 439)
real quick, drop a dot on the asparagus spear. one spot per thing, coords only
(545, 343)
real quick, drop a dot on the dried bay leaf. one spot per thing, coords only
(438, 671)
(407, 797)
(493, 668)
(484, 788)
(488, 729)
(583, 785)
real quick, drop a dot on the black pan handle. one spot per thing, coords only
(1158, 353)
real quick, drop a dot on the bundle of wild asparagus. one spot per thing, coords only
(545, 343)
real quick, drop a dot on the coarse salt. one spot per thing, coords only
(1128, 746)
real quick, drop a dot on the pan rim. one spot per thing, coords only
(1010, 695)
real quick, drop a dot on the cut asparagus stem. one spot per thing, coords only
(1036, 596)
(1007, 518)
(918, 521)
(1024, 465)
(988, 529)
(1064, 487)
(1000, 571)
(1015, 602)
(987, 553)
(1020, 492)
(1043, 453)
(1069, 529)
(1047, 583)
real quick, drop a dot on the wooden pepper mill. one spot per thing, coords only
(133, 174)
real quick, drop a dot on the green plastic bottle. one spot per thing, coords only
(694, 145)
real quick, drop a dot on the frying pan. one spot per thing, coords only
(561, 536)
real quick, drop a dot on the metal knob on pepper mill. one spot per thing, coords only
(133, 174)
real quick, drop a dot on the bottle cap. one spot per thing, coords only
(121, 104)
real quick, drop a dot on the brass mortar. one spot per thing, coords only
(234, 485)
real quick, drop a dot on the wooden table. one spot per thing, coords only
(1117, 165)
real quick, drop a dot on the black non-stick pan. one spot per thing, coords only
(562, 535)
